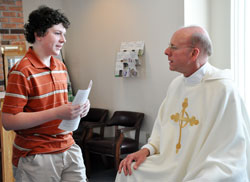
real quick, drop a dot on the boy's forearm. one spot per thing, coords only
(24, 120)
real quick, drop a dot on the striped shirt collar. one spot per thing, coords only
(37, 63)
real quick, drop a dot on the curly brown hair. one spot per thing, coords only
(41, 19)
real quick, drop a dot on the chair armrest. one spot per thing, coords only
(93, 124)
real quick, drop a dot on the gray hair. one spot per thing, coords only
(203, 41)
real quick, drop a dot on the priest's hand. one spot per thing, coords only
(138, 157)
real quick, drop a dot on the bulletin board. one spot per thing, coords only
(128, 59)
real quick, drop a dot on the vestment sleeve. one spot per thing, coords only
(154, 141)
(223, 155)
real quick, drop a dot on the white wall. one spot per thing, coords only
(98, 27)
(213, 15)
(30, 5)
(197, 13)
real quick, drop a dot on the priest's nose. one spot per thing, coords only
(167, 51)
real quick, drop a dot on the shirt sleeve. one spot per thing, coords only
(150, 148)
(16, 95)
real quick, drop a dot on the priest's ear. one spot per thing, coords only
(195, 53)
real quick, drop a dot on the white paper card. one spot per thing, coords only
(80, 98)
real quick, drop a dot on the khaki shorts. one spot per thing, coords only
(62, 167)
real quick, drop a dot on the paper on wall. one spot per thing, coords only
(80, 98)
(137, 46)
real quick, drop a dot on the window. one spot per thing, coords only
(240, 47)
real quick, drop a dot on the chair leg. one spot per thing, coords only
(105, 161)
(117, 161)
(87, 163)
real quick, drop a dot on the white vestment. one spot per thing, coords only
(206, 117)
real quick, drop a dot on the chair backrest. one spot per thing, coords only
(126, 118)
(96, 115)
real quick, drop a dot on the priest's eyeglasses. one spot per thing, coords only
(173, 47)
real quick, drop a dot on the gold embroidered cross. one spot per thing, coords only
(183, 121)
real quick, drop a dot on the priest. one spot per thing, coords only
(201, 133)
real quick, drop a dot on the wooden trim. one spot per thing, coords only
(14, 50)
(7, 138)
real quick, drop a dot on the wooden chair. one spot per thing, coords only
(119, 144)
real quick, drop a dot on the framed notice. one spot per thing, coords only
(11, 55)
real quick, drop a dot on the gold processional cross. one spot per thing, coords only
(183, 121)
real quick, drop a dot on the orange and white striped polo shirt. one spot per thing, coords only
(32, 87)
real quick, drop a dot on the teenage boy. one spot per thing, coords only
(36, 102)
